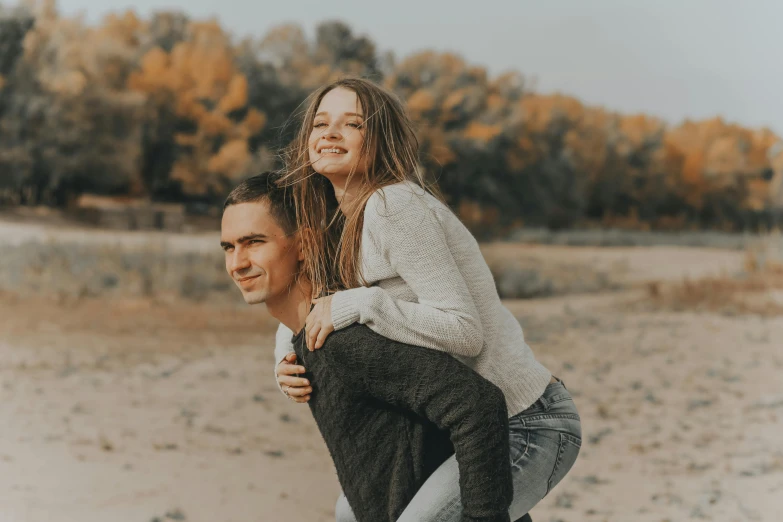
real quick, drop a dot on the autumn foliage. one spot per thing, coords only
(177, 110)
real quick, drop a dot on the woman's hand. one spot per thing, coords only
(296, 388)
(318, 324)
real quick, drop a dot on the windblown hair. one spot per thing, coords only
(390, 149)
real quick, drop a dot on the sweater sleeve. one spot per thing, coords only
(283, 347)
(412, 238)
(449, 394)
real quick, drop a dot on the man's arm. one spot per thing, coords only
(439, 388)
(283, 344)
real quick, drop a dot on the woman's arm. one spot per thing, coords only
(412, 238)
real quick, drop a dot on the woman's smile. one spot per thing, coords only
(332, 150)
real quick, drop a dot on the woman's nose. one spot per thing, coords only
(332, 133)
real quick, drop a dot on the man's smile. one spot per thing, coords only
(245, 280)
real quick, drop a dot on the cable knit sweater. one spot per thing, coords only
(428, 285)
(392, 413)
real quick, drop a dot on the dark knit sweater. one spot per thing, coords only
(386, 411)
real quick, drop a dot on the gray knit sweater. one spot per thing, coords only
(386, 411)
(428, 285)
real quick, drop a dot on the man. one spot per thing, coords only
(389, 413)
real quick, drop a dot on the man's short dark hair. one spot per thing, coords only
(264, 187)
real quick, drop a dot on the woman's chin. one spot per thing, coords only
(332, 171)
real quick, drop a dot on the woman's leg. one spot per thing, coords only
(438, 500)
(343, 511)
(544, 442)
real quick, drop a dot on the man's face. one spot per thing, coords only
(260, 258)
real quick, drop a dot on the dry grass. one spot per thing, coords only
(116, 325)
(758, 290)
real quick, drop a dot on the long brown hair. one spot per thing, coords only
(391, 148)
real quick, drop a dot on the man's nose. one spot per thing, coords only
(238, 261)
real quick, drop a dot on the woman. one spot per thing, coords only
(415, 274)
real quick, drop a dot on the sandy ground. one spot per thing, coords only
(143, 411)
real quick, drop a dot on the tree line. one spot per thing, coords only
(175, 109)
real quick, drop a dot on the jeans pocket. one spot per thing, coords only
(566, 456)
(519, 441)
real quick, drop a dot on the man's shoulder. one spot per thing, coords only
(359, 341)
(355, 348)
(357, 345)
(351, 334)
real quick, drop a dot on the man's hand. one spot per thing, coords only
(297, 388)
(319, 323)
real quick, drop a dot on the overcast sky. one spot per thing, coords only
(674, 59)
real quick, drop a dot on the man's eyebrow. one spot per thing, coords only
(254, 235)
(244, 239)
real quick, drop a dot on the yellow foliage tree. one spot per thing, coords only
(210, 99)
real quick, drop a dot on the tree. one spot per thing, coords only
(199, 125)
(336, 44)
(171, 108)
(64, 129)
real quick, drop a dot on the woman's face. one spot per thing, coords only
(337, 135)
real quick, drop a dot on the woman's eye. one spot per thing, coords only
(319, 125)
(355, 125)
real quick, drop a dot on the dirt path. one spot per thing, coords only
(134, 411)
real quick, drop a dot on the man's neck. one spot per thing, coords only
(292, 308)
